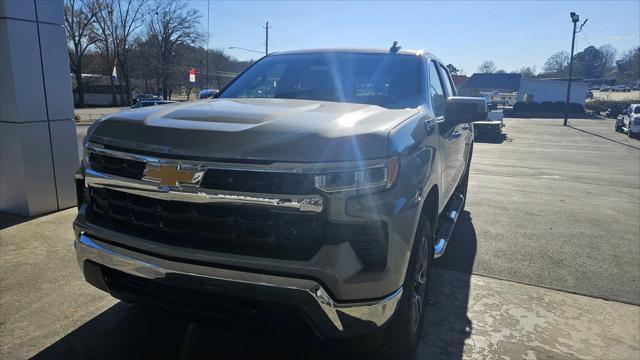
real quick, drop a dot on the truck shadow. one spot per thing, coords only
(447, 325)
(132, 331)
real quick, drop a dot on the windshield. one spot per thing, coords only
(636, 110)
(387, 80)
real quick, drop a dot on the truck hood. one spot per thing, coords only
(266, 130)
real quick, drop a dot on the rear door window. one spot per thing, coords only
(436, 91)
(446, 80)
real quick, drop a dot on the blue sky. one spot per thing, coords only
(512, 34)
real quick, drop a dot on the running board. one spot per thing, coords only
(447, 225)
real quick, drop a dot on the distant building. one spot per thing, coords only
(459, 80)
(524, 89)
(491, 83)
(540, 90)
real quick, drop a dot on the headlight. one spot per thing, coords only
(85, 141)
(374, 178)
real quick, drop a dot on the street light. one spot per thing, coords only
(239, 48)
(574, 19)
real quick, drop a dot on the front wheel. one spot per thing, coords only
(405, 329)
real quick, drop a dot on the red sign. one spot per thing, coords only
(192, 75)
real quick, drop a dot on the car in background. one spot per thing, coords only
(636, 87)
(207, 93)
(629, 121)
(153, 102)
(616, 109)
(621, 88)
(605, 88)
(143, 97)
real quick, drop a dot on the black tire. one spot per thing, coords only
(403, 333)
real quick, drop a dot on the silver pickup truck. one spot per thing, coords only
(325, 181)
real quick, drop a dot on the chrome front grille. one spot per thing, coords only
(128, 168)
(259, 182)
(235, 229)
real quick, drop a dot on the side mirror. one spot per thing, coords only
(461, 110)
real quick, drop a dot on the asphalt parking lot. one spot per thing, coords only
(555, 206)
(545, 263)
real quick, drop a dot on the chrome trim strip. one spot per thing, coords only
(273, 167)
(194, 194)
(377, 312)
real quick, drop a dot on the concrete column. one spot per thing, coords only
(38, 151)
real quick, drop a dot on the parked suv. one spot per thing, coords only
(629, 121)
(326, 181)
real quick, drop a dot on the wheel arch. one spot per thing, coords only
(430, 206)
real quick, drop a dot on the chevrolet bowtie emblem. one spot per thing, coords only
(172, 175)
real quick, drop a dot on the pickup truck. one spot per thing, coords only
(629, 121)
(323, 181)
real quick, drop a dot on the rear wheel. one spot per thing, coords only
(405, 329)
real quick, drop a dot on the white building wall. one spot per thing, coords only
(38, 151)
(552, 90)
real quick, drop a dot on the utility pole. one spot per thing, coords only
(574, 18)
(266, 40)
(206, 72)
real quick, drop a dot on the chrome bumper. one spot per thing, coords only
(133, 263)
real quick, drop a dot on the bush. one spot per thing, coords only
(547, 106)
(519, 106)
(558, 106)
(533, 107)
(575, 108)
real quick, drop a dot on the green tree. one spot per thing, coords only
(589, 63)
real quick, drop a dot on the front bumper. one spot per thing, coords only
(329, 318)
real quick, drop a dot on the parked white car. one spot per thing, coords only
(629, 121)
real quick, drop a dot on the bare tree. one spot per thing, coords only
(117, 26)
(526, 71)
(171, 23)
(129, 18)
(609, 54)
(557, 64)
(487, 67)
(79, 20)
(105, 32)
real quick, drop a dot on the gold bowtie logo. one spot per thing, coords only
(172, 175)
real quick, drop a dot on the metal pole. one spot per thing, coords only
(566, 106)
(206, 76)
(266, 42)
